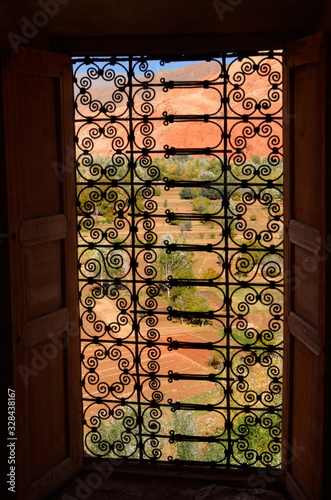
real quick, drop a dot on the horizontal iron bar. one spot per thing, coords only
(141, 118)
(166, 58)
(181, 247)
(207, 283)
(247, 409)
(222, 348)
(194, 438)
(195, 345)
(211, 184)
(191, 376)
(199, 439)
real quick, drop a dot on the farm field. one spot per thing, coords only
(179, 203)
(186, 361)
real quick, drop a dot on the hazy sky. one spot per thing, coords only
(155, 65)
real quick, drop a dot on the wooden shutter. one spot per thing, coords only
(306, 222)
(38, 119)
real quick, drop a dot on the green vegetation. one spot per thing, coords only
(185, 225)
(250, 433)
(256, 159)
(210, 274)
(211, 193)
(187, 193)
(177, 264)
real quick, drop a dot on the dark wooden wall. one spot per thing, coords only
(35, 202)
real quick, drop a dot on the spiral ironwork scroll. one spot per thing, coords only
(182, 301)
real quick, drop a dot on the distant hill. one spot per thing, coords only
(191, 101)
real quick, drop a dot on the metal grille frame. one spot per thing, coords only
(127, 412)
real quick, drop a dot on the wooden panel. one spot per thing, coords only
(46, 393)
(41, 230)
(305, 306)
(294, 488)
(58, 474)
(305, 332)
(307, 292)
(45, 326)
(40, 195)
(175, 44)
(304, 235)
(38, 109)
(305, 51)
(306, 419)
(307, 133)
(43, 278)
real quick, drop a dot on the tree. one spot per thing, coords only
(178, 263)
(256, 159)
(186, 193)
(202, 205)
(185, 225)
(190, 301)
(210, 273)
(211, 193)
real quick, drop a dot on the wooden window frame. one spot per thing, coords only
(203, 43)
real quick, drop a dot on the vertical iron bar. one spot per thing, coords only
(133, 252)
(226, 259)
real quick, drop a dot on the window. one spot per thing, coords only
(179, 195)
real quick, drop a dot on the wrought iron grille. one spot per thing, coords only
(179, 196)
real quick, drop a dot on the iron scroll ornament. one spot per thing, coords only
(137, 379)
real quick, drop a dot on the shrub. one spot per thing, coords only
(209, 274)
(256, 159)
(210, 193)
(183, 422)
(202, 205)
(214, 360)
(189, 301)
(253, 217)
(84, 203)
(186, 193)
(201, 235)
(256, 434)
(185, 225)
(139, 206)
(212, 235)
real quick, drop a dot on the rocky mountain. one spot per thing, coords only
(194, 107)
